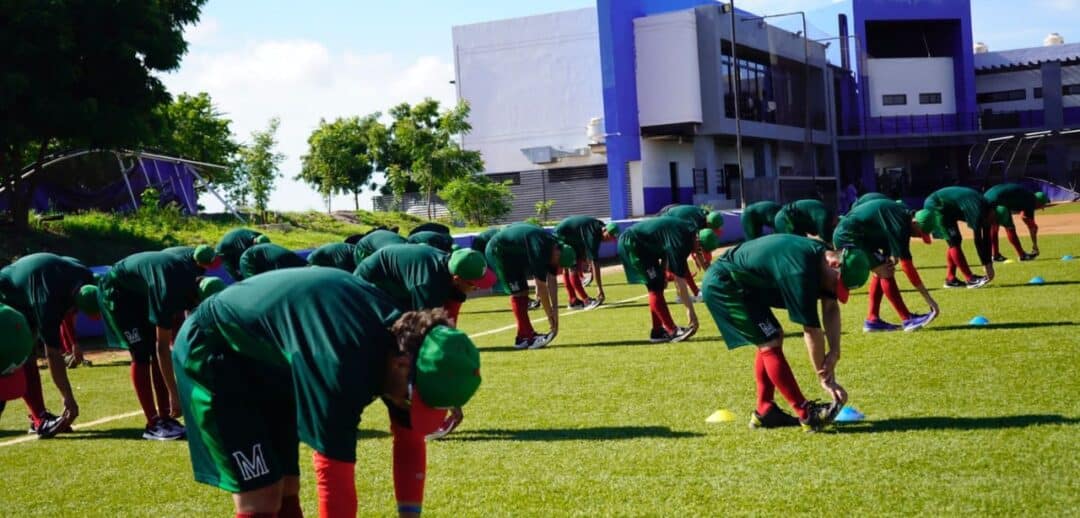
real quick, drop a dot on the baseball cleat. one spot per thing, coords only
(878, 325)
(774, 418)
(978, 282)
(681, 333)
(523, 343)
(541, 341)
(818, 415)
(954, 283)
(1028, 257)
(999, 258)
(577, 304)
(658, 336)
(534, 304)
(917, 321)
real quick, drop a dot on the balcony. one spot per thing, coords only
(942, 123)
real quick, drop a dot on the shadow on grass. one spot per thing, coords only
(914, 424)
(1027, 285)
(1004, 325)
(371, 434)
(111, 433)
(4, 434)
(602, 433)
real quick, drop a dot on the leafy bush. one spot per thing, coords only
(477, 199)
(543, 209)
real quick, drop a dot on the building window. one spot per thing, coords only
(894, 100)
(513, 178)
(932, 98)
(570, 174)
(1037, 92)
(1070, 90)
(1002, 96)
(701, 182)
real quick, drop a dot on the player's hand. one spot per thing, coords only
(71, 410)
(838, 394)
(600, 296)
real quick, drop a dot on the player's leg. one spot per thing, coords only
(1033, 230)
(656, 282)
(568, 283)
(995, 248)
(1014, 240)
(956, 255)
(33, 397)
(579, 287)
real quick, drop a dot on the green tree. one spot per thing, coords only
(543, 209)
(342, 156)
(422, 150)
(83, 73)
(193, 128)
(259, 165)
(477, 199)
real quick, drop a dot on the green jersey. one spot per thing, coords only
(321, 330)
(415, 277)
(1013, 197)
(522, 246)
(334, 255)
(169, 282)
(691, 213)
(582, 233)
(375, 240)
(266, 257)
(805, 217)
(43, 287)
(480, 241)
(877, 227)
(664, 238)
(959, 204)
(434, 239)
(868, 197)
(758, 215)
(232, 246)
(781, 270)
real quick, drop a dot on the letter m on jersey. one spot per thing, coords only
(251, 467)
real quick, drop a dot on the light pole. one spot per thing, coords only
(736, 93)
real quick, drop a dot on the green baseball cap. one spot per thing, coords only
(467, 264)
(567, 256)
(1002, 215)
(854, 268)
(18, 342)
(715, 219)
(87, 300)
(262, 238)
(204, 254)
(612, 228)
(929, 221)
(447, 368)
(1041, 198)
(708, 240)
(209, 286)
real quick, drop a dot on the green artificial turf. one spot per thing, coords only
(958, 421)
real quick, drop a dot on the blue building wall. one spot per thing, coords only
(617, 59)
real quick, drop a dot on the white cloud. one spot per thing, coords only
(1061, 5)
(301, 81)
(202, 33)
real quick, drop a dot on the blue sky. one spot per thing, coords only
(302, 61)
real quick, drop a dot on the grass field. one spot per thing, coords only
(959, 421)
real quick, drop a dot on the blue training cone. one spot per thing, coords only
(848, 414)
(1066, 258)
(979, 321)
(1037, 280)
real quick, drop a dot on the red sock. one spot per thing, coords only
(453, 307)
(568, 283)
(957, 255)
(765, 387)
(892, 292)
(656, 323)
(579, 288)
(161, 392)
(140, 379)
(950, 274)
(35, 401)
(995, 250)
(68, 341)
(1014, 240)
(520, 307)
(290, 507)
(780, 374)
(658, 306)
(692, 285)
(875, 298)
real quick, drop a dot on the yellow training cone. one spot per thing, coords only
(721, 416)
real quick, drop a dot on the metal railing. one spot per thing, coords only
(941, 123)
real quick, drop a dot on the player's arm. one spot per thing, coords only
(597, 278)
(916, 281)
(1033, 229)
(684, 296)
(982, 247)
(546, 292)
(58, 370)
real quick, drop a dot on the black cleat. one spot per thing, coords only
(681, 333)
(774, 418)
(533, 304)
(978, 282)
(955, 283)
(1028, 257)
(999, 258)
(577, 304)
(659, 336)
(818, 415)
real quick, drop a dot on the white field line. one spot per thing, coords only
(80, 426)
(103, 420)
